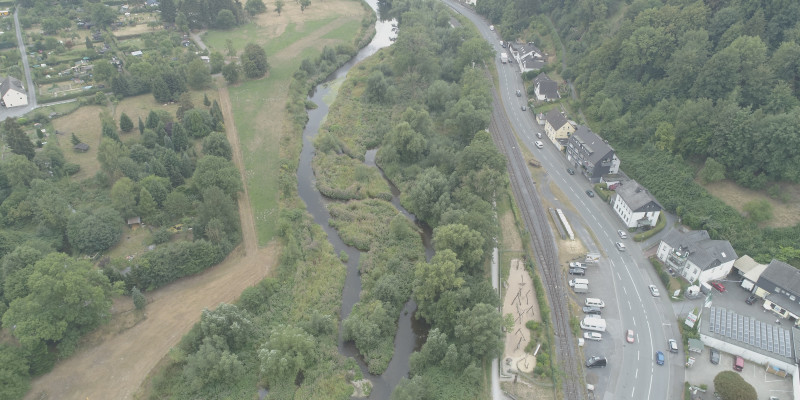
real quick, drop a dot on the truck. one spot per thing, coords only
(593, 324)
(580, 288)
(504, 57)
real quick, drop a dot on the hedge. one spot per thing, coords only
(660, 224)
(168, 263)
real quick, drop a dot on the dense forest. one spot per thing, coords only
(682, 86)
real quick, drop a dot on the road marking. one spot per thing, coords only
(623, 288)
(629, 306)
(637, 373)
(638, 353)
(634, 321)
(633, 391)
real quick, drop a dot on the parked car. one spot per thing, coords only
(570, 171)
(718, 286)
(592, 310)
(491, 27)
(629, 336)
(654, 290)
(596, 336)
(620, 246)
(659, 358)
(738, 363)
(575, 264)
(714, 357)
(596, 362)
(622, 234)
(524, 108)
(590, 193)
(673, 346)
(751, 299)
(577, 271)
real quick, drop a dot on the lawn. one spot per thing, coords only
(85, 123)
(259, 106)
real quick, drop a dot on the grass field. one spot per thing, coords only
(784, 214)
(259, 106)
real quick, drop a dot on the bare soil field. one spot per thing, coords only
(783, 214)
(519, 300)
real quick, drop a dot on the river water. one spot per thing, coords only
(405, 341)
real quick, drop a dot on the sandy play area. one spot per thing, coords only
(520, 301)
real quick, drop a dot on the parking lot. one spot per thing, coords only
(703, 372)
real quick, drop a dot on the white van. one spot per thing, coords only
(592, 302)
(593, 324)
(593, 336)
(580, 288)
(578, 281)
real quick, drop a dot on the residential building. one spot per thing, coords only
(528, 56)
(779, 286)
(749, 270)
(12, 93)
(545, 88)
(635, 205)
(591, 154)
(695, 256)
(557, 127)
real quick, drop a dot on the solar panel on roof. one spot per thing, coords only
(758, 334)
(711, 321)
(741, 328)
(747, 329)
(752, 332)
(732, 328)
(769, 339)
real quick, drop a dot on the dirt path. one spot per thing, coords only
(249, 236)
(120, 362)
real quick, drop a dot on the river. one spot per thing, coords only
(405, 341)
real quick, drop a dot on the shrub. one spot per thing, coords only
(660, 224)
(731, 386)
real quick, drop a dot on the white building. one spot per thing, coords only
(695, 256)
(12, 93)
(635, 205)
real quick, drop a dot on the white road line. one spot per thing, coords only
(638, 354)
(633, 391)
(634, 321)
(637, 373)
(629, 306)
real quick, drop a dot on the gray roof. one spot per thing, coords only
(782, 275)
(555, 119)
(598, 149)
(637, 197)
(704, 252)
(10, 83)
(547, 86)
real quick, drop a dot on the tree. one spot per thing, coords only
(712, 171)
(160, 90)
(254, 7)
(184, 104)
(225, 19)
(304, 4)
(466, 243)
(231, 73)
(179, 138)
(478, 331)
(424, 194)
(98, 231)
(216, 144)
(219, 172)
(229, 322)
(103, 71)
(433, 278)
(138, 298)
(407, 144)
(19, 171)
(731, 386)
(141, 126)
(279, 6)
(125, 123)
(68, 297)
(376, 87)
(197, 74)
(147, 206)
(14, 376)
(231, 49)
(367, 325)
(254, 61)
(211, 364)
(17, 140)
(168, 11)
(102, 14)
(206, 101)
(288, 351)
(758, 210)
(123, 197)
(177, 204)
(89, 45)
(197, 123)
(109, 153)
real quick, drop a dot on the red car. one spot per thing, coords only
(718, 286)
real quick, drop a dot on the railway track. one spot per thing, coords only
(543, 242)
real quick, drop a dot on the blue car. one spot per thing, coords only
(659, 358)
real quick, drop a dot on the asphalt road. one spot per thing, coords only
(621, 279)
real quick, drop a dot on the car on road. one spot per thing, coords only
(673, 346)
(751, 299)
(596, 362)
(659, 358)
(524, 108)
(629, 336)
(590, 193)
(570, 171)
(519, 93)
(596, 336)
(622, 234)
(714, 357)
(718, 286)
(592, 310)
(654, 290)
(577, 271)
(491, 27)
(620, 246)
(539, 144)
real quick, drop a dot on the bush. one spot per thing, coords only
(731, 386)
(662, 274)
